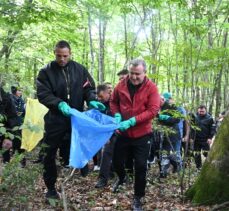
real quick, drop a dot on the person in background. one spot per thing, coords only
(135, 102)
(122, 74)
(109, 86)
(20, 110)
(97, 158)
(170, 152)
(10, 120)
(104, 95)
(203, 136)
(19, 103)
(183, 126)
(61, 85)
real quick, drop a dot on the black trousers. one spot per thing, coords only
(139, 148)
(57, 130)
(51, 144)
(155, 145)
(106, 161)
(198, 146)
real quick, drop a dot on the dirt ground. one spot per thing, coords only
(80, 193)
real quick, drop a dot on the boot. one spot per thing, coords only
(118, 183)
(52, 194)
(137, 204)
(101, 183)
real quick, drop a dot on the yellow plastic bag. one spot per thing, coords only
(33, 127)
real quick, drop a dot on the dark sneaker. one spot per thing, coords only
(52, 194)
(101, 183)
(84, 171)
(137, 204)
(117, 184)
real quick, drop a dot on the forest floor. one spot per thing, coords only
(80, 193)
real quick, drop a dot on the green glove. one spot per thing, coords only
(124, 125)
(97, 105)
(118, 118)
(163, 117)
(64, 108)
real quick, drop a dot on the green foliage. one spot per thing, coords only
(182, 42)
(17, 184)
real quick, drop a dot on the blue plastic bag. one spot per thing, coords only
(90, 131)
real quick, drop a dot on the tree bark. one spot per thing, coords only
(212, 185)
(92, 64)
(102, 31)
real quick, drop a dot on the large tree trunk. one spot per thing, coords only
(212, 185)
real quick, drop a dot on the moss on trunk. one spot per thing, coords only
(212, 185)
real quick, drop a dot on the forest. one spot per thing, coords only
(184, 44)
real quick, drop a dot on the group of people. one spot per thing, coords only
(12, 112)
(134, 102)
(64, 84)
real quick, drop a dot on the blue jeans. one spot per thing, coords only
(170, 153)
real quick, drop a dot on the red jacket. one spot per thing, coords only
(144, 107)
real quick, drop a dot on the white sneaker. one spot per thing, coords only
(96, 168)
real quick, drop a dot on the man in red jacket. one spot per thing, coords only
(134, 103)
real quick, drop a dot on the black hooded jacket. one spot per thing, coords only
(72, 84)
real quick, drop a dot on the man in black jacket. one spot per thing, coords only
(203, 137)
(63, 84)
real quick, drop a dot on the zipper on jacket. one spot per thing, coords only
(67, 79)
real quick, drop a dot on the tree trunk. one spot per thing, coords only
(102, 31)
(175, 49)
(134, 41)
(91, 45)
(125, 38)
(212, 185)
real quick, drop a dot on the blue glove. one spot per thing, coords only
(97, 105)
(118, 118)
(163, 117)
(124, 125)
(64, 108)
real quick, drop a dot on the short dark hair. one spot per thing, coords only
(101, 87)
(202, 107)
(136, 62)
(14, 89)
(63, 44)
(123, 72)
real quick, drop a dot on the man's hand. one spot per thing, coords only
(118, 118)
(163, 117)
(7, 144)
(64, 108)
(97, 105)
(124, 125)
